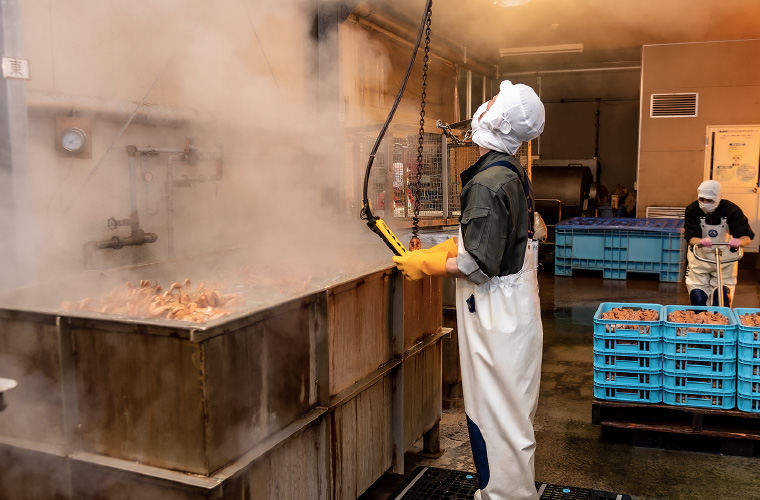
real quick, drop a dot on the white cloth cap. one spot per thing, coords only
(517, 115)
(709, 190)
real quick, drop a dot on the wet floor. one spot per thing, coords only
(570, 449)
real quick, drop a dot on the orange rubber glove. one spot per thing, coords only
(417, 264)
(450, 246)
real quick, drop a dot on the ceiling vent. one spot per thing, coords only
(673, 105)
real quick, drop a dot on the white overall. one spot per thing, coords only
(500, 345)
(704, 275)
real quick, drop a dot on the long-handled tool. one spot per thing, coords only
(376, 224)
(738, 254)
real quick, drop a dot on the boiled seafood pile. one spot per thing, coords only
(750, 319)
(149, 300)
(700, 318)
(630, 314)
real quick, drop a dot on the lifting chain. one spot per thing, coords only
(450, 133)
(415, 243)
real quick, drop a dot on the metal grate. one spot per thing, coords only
(394, 171)
(674, 105)
(431, 483)
(431, 183)
(357, 148)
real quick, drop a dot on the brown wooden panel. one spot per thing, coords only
(423, 309)
(30, 354)
(258, 380)
(358, 330)
(294, 468)
(362, 440)
(422, 393)
(140, 398)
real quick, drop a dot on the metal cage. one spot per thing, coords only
(443, 161)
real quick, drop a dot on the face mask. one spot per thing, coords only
(708, 207)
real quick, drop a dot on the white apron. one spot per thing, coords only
(500, 345)
(704, 275)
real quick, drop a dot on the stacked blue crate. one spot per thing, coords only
(700, 360)
(748, 375)
(628, 355)
(617, 246)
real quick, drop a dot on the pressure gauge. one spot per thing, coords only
(73, 140)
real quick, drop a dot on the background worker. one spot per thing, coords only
(498, 310)
(710, 220)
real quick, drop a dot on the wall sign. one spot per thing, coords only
(13, 67)
(735, 156)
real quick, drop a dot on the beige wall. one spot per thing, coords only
(726, 77)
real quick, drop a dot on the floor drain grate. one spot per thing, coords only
(431, 483)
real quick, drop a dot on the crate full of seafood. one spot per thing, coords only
(687, 323)
(627, 352)
(628, 328)
(748, 374)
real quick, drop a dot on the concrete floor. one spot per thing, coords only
(571, 450)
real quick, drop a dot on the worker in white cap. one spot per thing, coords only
(498, 311)
(712, 219)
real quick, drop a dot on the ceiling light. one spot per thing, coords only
(544, 49)
(509, 3)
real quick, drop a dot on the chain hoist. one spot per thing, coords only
(415, 243)
(446, 128)
(376, 224)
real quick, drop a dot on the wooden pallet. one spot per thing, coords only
(737, 431)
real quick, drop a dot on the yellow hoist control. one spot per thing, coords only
(379, 227)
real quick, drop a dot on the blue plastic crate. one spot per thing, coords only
(749, 352)
(626, 345)
(747, 334)
(746, 403)
(748, 387)
(633, 377)
(749, 370)
(701, 399)
(612, 360)
(624, 393)
(714, 383)
(724, 350)
(697, 331)
(614, 327)
(619, 246)
(697, 365)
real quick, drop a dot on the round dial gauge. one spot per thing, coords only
(73, 140)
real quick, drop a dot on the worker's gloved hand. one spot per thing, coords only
(706, 242)
(417, 264)
(734, 242)
(450, 246)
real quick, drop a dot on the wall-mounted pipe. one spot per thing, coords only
(53, 104)
(406, 32)
(138, 237)
(190, 155)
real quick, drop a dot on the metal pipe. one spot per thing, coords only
(580, 70)
(468, 106)
(138, 237)
(170, 203)
(52, 104)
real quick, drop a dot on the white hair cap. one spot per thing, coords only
(517, 115)
(709, 190)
